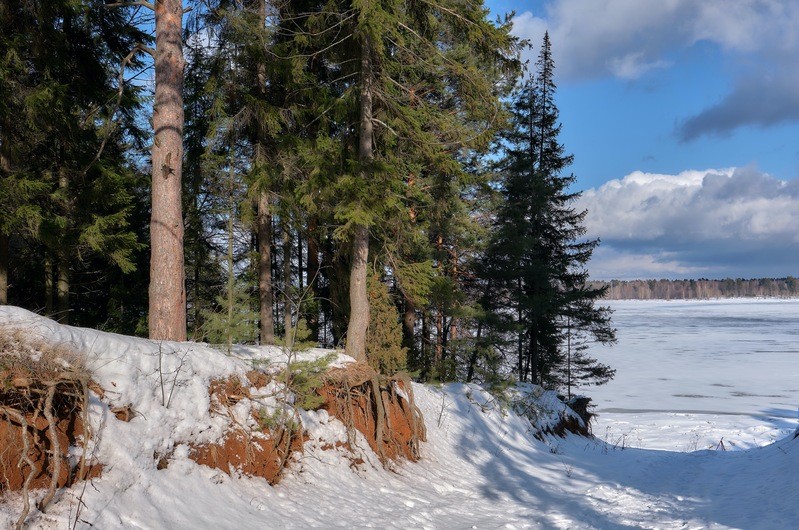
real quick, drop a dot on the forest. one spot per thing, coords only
(385, 177)
(702, 288)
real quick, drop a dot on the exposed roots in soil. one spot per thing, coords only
(43, 397)
(381, 408)
(262, 452)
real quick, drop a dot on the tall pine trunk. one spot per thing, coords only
(62, 287)
(359, 301)
(49, 286)
(62, 252)
(264, 222)
(167, 311)
(409, 327)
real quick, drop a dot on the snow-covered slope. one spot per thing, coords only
(481, 466)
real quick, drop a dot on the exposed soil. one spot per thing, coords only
(259, 453)
(20, 399)
(14, 469)
(393, 426)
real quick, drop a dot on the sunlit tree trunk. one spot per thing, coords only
(167, 311)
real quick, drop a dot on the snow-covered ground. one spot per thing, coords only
(481, 467)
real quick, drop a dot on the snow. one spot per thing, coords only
(481, 465)
(708, 369)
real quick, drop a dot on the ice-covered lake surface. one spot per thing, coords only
(700, 374)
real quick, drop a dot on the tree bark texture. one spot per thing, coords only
(312, 268)
(359, 301)
(409, 327)
(5, 167)
(167, 310)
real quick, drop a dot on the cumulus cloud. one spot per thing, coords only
(627, 39)
(728, 222)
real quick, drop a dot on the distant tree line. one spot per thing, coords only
(699, 289)
(383, 176)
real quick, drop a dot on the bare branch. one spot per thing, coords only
(139, 3)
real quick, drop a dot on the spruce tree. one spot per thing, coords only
(64, 126)
(535, 266)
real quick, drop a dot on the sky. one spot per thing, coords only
(683, 117)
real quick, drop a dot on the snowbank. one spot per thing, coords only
(482, 466)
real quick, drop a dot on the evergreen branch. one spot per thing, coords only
(387, 126)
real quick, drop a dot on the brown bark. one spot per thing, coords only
(359, 301)
(167, 312)
(409, 326)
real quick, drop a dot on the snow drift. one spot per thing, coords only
(482, 465)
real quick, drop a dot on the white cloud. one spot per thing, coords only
(633, 65)
(728, 221)
(609, 263)
(627, 38)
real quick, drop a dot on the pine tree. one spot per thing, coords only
(535, 267)
(167, 293)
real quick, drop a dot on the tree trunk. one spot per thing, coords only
(475, 352)
(264, 222)
(3, 268)
(49, 287)
(167, 311)
(265, 291)
(359, 300)
(312, 265)
(409, 327)
(287, 301)
(5, 167)
(62, 305)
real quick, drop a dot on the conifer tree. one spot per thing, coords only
(167, 293)
(64, 124)
(410, 85)
(536, 263)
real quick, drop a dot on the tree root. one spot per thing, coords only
(372, 404)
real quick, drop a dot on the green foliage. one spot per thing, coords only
(535, 267)
(236, 324)
(300, 338)
(384, 349)
(277, 420)
(303, 378)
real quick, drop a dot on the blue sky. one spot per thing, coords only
(683, 117)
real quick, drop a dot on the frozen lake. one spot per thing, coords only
(700, 374)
